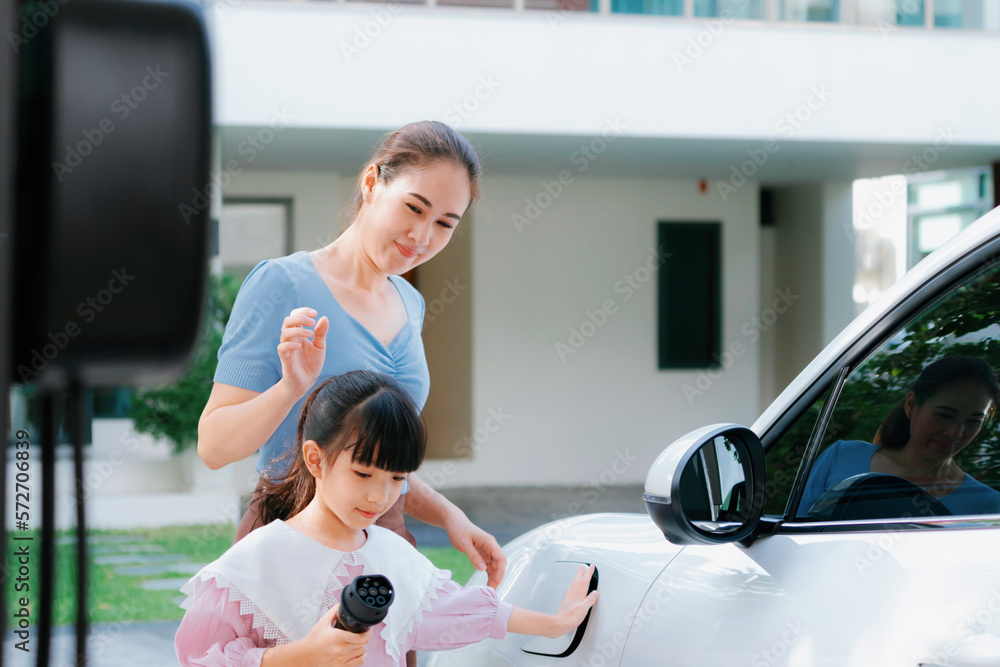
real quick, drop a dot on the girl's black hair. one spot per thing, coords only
(362, 411)
(895, 429)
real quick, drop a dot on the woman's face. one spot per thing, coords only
(948, 420)
(409, 220)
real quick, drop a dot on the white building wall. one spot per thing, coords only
(602, 411)
(382, 65)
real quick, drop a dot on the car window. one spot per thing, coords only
(784, 457)
(888, 453)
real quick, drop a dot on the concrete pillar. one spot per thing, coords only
(809, 280)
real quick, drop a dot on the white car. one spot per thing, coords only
(729, 570)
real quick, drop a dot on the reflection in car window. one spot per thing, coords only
(948, 456)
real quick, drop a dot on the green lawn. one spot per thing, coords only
(114, 596)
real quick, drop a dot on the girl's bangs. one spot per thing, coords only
(390, 435)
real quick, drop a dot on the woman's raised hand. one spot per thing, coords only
(302, 350)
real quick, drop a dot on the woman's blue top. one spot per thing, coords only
(248, 357)
(846, 458)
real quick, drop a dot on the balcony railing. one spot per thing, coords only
(887, 14)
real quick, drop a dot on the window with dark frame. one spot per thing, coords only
(689, 301)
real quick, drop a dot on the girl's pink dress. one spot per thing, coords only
(274, 588)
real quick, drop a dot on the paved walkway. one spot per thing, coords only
(505, 512)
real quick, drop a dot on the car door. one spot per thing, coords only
(908, 588)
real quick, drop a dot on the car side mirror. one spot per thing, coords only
(708, 487)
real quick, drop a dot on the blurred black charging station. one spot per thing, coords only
(106, 124)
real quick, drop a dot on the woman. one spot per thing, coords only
(409, 198)
(919, 439)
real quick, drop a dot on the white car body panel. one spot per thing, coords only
(845, 599)
(848, 599)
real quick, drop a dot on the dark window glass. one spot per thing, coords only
(785, 456)
(689, 296)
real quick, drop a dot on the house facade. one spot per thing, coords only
(595, 126)
(565, 345)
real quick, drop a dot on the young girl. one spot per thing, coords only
(272, 598)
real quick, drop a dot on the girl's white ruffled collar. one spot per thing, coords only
(279, 577)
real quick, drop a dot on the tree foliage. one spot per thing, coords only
(172, 412)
